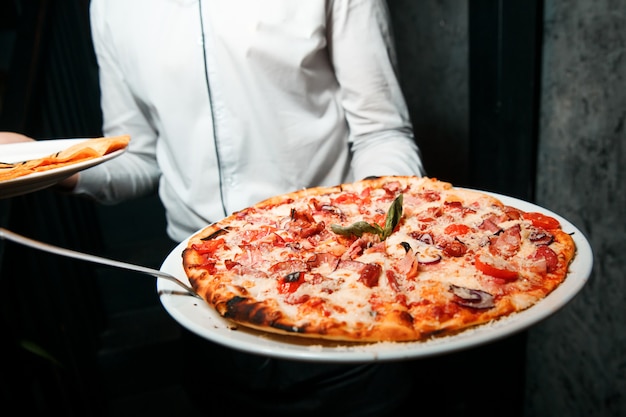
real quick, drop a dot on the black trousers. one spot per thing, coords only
(223, 380)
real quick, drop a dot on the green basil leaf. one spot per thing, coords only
(393, 217)
(357, 229)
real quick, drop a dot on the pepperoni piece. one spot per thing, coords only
(457, 207)
(507, 243)
(550, 257)
(429, 195)
(512, 213)
(369, 274)
(303, 224)
(454, 248)
(392, 188)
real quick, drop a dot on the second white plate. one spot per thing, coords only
(23, 151)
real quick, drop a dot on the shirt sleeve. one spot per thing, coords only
(135, 173)
(362, 51)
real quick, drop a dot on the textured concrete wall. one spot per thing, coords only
(576, 363)
(577, 359)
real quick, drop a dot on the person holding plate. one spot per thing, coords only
(228, 103)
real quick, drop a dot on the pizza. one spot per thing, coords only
(82, 151)
(383, 259)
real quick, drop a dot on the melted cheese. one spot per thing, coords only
(346, 298)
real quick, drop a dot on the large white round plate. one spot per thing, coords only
(201, 319)
(24, 151)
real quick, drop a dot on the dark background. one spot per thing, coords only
(504, 96)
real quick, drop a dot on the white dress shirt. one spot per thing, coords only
(229, 102)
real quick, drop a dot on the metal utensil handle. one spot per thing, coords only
(17, 238)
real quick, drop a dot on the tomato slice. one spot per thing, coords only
(347, 198)
(541, 220)
(457, 229)
(495, 271)
(291, 282)
(208, 246)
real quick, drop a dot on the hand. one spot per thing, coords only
(12, 137)
(68, 184)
